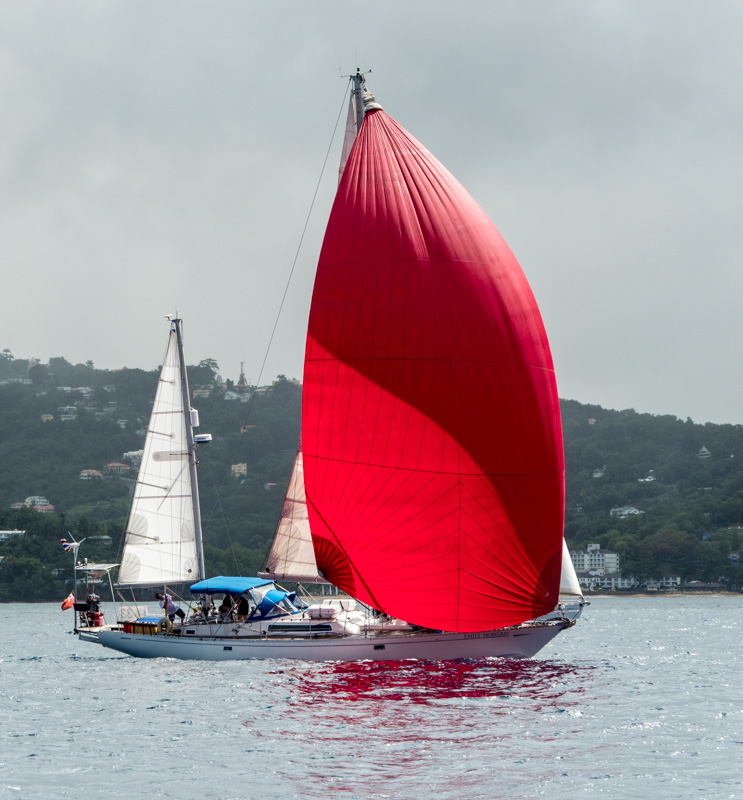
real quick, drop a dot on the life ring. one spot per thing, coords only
(164, 625)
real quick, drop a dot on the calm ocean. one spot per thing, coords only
(643, 699)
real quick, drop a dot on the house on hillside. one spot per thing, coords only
(90, 475)
(6, 536)
(134, 457)
(625, 511)
(38, 503)
(117, 468)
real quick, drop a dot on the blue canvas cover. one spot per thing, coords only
(227, 585)
(271, 599)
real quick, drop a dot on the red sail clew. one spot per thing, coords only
(431, 427)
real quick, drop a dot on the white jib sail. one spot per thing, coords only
(160, 544)
(292, 556)
(569, 586)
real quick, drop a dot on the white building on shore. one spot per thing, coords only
(595, 559)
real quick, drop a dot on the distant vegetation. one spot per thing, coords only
(46, 458)
(685, 478)
(691, 502)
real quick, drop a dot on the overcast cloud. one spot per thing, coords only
(162, 155)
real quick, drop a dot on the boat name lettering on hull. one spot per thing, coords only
(487, 635)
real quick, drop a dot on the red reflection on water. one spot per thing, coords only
(427, 681)
(411, 729)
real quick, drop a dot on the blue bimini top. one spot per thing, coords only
(227, 585)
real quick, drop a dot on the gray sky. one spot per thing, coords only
(156, 155)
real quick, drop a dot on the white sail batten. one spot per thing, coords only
(569, 586)
(160, 545)
(292, 556)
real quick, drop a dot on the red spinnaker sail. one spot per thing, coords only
(431, 427)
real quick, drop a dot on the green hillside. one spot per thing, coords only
(46, 458)
(691, 499)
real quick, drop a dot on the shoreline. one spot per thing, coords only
(666, 594)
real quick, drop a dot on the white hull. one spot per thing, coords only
(517, 642)
(88, 636)
(91, 634)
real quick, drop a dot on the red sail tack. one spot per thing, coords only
(431, 427)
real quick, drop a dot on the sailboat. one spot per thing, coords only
(428, 487)
(163, 543)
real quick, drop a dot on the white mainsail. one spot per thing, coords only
(292, 556)
(160, 545)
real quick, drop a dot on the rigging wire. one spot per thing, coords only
(299, 248)
(244, 428)
(218, 502)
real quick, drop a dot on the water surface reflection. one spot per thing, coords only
(544, 683)
(385, 729)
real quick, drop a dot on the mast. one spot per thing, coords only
(359, 85)
(191, 449)
(292, 556)
(359, 103)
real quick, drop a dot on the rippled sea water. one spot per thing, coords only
(643, 698)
